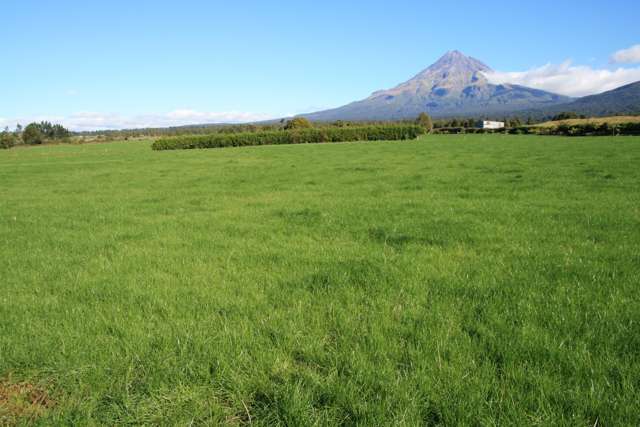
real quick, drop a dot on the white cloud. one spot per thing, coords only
(627, 56)
(84, 121)
(568, 79)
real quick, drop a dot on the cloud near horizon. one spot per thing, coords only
(87, 121)
(568, 79)
(627, 56)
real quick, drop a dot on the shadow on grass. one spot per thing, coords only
(360, 274)
(434, 235)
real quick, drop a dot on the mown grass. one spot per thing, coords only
(453, 280)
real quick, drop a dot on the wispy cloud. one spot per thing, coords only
(627, 56)
(568, 79)
(84, 121)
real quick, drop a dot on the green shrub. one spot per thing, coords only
(298, 123)
(462, 130)
(425, 121)
(565, 116)
(592, 129)
(7, 140)
(523, 130)
(448, 130)
(297, 136)
(32, 134)
(39, 133)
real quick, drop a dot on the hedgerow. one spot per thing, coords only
(593, 129)
(583, 129)
(460, 130)
(297, 136)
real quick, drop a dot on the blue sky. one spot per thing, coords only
(129, 63)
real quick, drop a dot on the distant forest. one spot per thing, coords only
(466, 122)
(46, 132)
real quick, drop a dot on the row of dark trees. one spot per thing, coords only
(472, 123)
(427, 122)
(423, 120)
(34, 134)
(43, 132)
(510, 122)
(567, 116)
(297, 122)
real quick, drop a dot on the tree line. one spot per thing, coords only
(300, 133)
(45, 132)
(284, 124)
(34, 134)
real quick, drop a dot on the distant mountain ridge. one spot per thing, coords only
(620, 101)
(455, 85)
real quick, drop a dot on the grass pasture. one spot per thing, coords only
(452, 280)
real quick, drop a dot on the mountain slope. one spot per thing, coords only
(623, 100)
(454, 86)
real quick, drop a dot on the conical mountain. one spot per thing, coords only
(449, 75)
(455, 85)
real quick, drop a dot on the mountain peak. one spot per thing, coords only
(460, 61)
(454, 54)
(450, 74)
(454, 85)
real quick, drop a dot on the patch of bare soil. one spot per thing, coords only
(22, 401)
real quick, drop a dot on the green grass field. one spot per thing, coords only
(453, 280)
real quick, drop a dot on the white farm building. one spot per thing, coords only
(486, 124)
